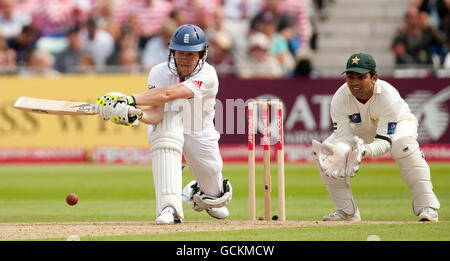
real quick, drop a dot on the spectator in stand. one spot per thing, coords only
(238, 14)
(178, 16)
(85, 64)
(108, 17)
(53, 17)
(438, 10)
(128, 60)
(220, 47)
(299, 44)
(241, 9)
(150, 15)
(198, 12)
(128, 40)
(437, 47)
(411, 44)
(302, 64)
(7, 57)
(11, 21)
(286, 28)
(267, 23)
(131, 24)
(219, 54)
(259, 62)
(40, 64)
(445, 23)
(446, 29)
(446, 64)
(78, 16)
(26, 7)
(67, 60)
(157, 48)
(97, 42)
(23, 44)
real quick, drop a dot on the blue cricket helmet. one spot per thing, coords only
(188, 38)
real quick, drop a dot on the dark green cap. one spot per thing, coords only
(360, 63)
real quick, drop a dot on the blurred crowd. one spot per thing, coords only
(247, 38)
(424, 38)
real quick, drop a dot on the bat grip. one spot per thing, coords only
(134, 111)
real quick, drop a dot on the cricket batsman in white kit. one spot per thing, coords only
(180, 98)
(369, 119)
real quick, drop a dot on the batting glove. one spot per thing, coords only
(115, 106)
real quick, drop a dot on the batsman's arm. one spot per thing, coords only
(158, 96)
(152, 114)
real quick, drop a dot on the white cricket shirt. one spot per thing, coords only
(375, 121)
(204, 85)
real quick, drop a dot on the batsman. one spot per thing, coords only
(180, 98)
(369, 119)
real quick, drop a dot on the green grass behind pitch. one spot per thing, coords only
(36, 193)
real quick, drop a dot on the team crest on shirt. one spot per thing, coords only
(355, 118)
(391, 127)
(198, 84)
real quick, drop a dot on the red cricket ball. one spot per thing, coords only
(72, 199)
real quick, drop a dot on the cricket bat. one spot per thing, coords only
(60, 107)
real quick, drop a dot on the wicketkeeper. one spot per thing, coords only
(181, 100)
(369, 119)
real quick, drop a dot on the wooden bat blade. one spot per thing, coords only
(61, 107)
(54, 106)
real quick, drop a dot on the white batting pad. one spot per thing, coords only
(167, 144)
(166, 165)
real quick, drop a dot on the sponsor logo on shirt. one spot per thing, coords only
(151, 87)
(391, 127)
(355, 118)
(198, 84)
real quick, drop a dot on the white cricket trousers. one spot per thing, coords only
(202, 155)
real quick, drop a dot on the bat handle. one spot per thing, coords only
(134, 111)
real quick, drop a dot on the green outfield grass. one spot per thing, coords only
(36, 193)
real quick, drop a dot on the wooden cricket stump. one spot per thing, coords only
(267, 183)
